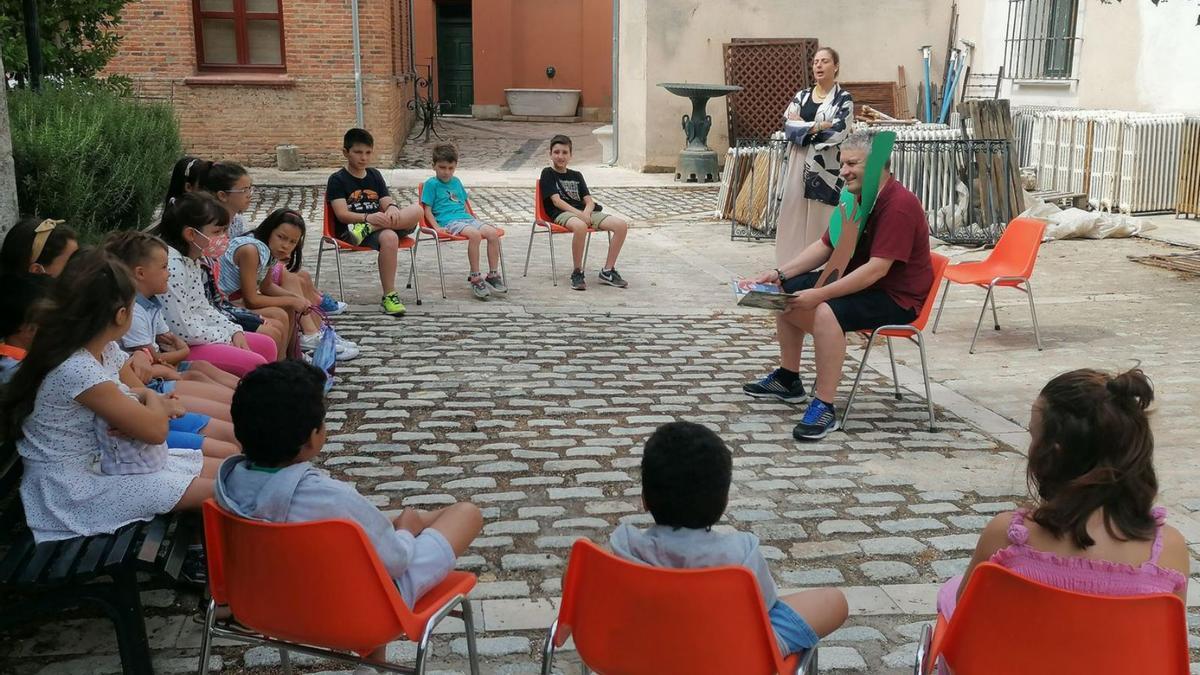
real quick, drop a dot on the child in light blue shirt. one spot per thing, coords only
(448, 212)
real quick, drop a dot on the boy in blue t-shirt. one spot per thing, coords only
(445, 201)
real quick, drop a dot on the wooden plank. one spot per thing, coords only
(96, 548)
(121, 544)
(902, 110)
(64, 563)
(879, 95)
(42, 555)
(156, 531)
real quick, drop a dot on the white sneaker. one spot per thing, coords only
(342, 343)
(309, 342)
(346, 352)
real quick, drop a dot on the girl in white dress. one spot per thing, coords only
(51, 405)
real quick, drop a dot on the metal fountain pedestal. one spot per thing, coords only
(698, 162)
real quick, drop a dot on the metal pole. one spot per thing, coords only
(616, 79)
(33, 44)
(358, 85)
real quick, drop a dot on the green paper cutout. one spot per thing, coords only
(858, 210)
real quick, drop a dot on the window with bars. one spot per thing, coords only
(239, 34)
(1041, 40)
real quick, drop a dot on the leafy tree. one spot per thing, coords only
(78, 37)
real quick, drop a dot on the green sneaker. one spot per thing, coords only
(392, 305)
(359, 232)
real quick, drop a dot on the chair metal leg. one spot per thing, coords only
(529, 249)
(553, 268)
(892, 358)
(857, 377)
(982, 311)
(437, 248)
(320, 254)
(285, 661)
(920, 667)
(412, 261)
(941, 305)
(469, 625)
(1033, 313)
(503, 272)
(925, 376)
(337, 263)
(808, 663)
(587, 246)
(548, 649)
(995, 318)
(210, 616)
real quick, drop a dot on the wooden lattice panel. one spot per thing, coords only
(770, 72)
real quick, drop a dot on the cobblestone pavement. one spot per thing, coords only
(505, 146)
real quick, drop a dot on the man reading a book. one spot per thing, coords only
(885, 282)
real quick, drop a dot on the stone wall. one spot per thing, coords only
(242, 117)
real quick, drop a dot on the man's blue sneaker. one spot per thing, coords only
(772, 387)
(818, 421)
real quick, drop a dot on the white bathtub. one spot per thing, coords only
(542, 102)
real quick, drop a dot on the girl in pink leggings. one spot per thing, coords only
(195, 226)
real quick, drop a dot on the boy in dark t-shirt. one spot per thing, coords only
(365, 215)
(567, 201)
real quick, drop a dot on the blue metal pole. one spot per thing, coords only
(926, 52)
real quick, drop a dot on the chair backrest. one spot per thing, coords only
(1005, 623)
(318, 583)
(1017, 249)
(938, 262)
(539, 208)
(630, 618)
(327, 225)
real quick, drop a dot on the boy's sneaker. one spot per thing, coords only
(331, 307)
(772, 386)
(818, 421)
(577, 281)
(478, 286)
(392, 305)
(358, 232)
(612, 278)
(497, 284)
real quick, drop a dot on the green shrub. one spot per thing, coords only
(90, 156)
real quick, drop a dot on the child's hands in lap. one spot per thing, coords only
(410, 519)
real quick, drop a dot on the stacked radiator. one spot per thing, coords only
(1123, 161)
(1189, 169)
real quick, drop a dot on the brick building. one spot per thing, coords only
(247, 75)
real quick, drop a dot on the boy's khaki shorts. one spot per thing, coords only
(597, 218)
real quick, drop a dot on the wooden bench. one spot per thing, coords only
(100, 571)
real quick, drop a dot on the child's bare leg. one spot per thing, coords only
(492, 235)
(220, 430)
(213, 373)
(204, 390)
(473, 236)
(389, 242)
(459, 523)
(195, 376)
(308, 324)
(300, 282)
(409, 217)
(215, 449)
(823, 609)
(619, 229)
(578, 229)
(202, 406)
(277, 325)
(200, 489)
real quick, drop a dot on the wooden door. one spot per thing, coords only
(455, 73)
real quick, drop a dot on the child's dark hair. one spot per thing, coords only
(275, 409)
(16, 254)
(686, 472)
(1093, 449)
(560, 139)
(283, 217)
(133, 247)
(222, 176)
(188, 173)
(194, 209)
(358, 136)
(83, 302)
(23, 292)
(445, 152)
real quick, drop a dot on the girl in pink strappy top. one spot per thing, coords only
(1093, 527)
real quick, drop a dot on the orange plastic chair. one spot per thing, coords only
(542, 220)
(912, 332)
(633, 619)
(330, 242)
(317, 588)
(1009, 264)
(427, 232)
(1005, 624)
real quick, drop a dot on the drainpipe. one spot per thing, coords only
(358, 84)
(616, 76)
(412, 40)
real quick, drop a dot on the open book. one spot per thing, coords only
(760, 296)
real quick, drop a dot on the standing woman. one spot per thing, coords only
(813, 184)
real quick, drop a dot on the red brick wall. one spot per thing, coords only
(311, 106)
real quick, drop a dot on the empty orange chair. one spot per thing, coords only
(330, 242)
(1006, 624)
(438, 235)
(317, 588)
(912, 332)
(542, 220)
(1009, 264)
(634, 619)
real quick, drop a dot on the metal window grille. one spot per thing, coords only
(1041, 40)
